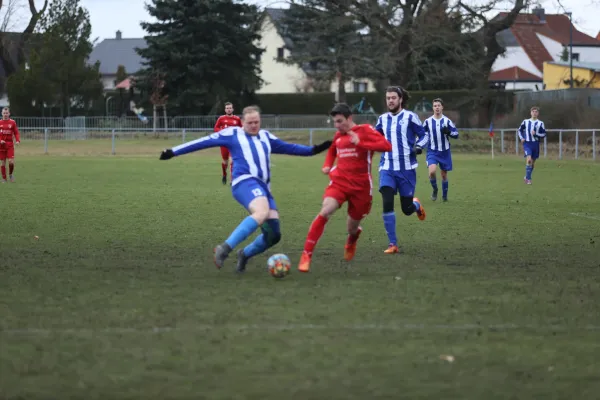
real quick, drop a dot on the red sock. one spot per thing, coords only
(314, 234)
(11, 168)
(353, 238)
(224, 168)
(3, 172)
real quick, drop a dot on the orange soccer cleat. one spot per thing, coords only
(392, 249)
(421, 211)
(350, 247)
(304, 265)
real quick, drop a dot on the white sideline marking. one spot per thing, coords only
(596, 218)
(307, 327)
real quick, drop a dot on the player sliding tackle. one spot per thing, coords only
(250, 149)
(350, 180)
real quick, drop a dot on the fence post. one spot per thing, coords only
(517, 143)
(576, 144)
(183, 136)
(310, 137)
(546, 146)
(594, 145)
(113, 142)
(560, 145)
(46, 141)
(502, 140)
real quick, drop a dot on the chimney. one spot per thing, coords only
(541, 13)
(119, 37)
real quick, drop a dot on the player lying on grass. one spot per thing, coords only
(530, 133)
(226, 121)
(9, 137)
(251, 149)
(440, 129)
(351, 182)
(397, 169)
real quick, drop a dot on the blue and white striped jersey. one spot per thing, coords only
(532, 130)
(437, 140)
(251, 154)
(403, 131)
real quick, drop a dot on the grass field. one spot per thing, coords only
(119, 299)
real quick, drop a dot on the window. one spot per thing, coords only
(575, 56)
(361, 87)
(280, 53)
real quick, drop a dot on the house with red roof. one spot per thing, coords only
(534, 39)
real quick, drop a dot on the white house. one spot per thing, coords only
(534, 39)
(283, 78)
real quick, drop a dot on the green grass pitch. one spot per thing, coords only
(119, 298)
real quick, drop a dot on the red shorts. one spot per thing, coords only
(7, 152)
(225, 153)
(359, 201)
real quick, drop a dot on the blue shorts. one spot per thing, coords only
(443, 158)
(403, 182)
(531, 149)
(249, 189)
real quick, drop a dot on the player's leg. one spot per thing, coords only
(528, 162)
(410, 204)
(445, 167)
(535, 154)
(388, 190)
(432, 166)
(332, 200)
(224, 164)
(254, 197)
(3, 165)
(10, 154)
(359, 206)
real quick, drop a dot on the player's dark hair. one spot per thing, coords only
(341, 109)
(534, 108)
(250, 110)
(228, 104)
(402, 93)
(438, 100)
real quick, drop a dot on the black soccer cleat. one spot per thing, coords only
(241, 262)
(434, 195)
(444, 199)
(221, 253)
(224, 180)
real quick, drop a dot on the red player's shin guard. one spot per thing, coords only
(314, 234)
(3, 172)
(224, 168)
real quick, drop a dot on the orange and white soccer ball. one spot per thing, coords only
(279, 265)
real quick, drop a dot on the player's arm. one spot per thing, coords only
(331, 156)
(541, 133)
(379, 126)
(521, 130)
(218, 124)
(372, 140)
(279, 146)
(206, 142)
(16, 133)
(450, 130)
(419, 131)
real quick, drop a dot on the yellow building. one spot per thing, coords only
(557, 75)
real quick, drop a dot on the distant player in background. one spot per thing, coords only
(353, 145)
(397, 169)
(440, 129)
(9, 137)
(251, 149)
(530, 132)
(226, 121)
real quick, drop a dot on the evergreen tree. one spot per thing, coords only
(205, 50)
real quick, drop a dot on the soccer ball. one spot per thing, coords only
(279, 265)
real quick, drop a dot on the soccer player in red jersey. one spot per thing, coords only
(351, 182)
(226, 121)
(9, 137)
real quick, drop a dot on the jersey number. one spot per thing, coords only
(257, 192)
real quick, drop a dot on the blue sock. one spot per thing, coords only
(258, 246)
(528, 171)
(389, 222)
(434, 184)
(445, 188)
(241, 233)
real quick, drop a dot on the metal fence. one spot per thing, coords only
(559, 144)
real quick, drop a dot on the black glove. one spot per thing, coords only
(418, 149)
(319, 148)
(167, 154)
(446, 131)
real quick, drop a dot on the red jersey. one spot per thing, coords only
(353, 167)
(8, 129)
(225, 121)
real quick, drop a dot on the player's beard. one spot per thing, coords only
(394, 110)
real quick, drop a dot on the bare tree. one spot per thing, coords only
(11, 14)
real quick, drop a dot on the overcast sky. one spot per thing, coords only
(108, 16)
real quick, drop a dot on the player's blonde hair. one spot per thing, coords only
(250, 110)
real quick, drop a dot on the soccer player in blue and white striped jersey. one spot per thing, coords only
(530, 132)
(440, 129)
(397, 169)
(250, 148)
